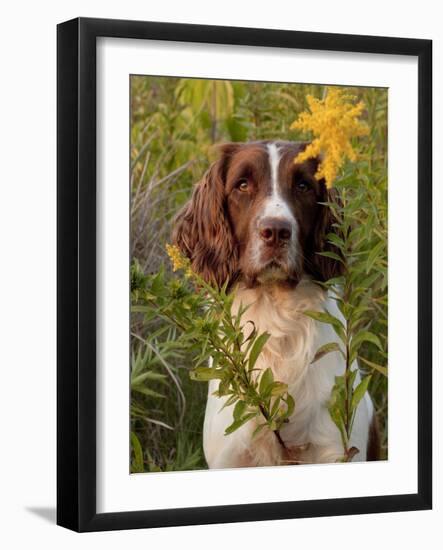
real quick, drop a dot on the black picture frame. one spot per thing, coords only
(76, 278)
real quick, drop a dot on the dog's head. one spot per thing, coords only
(257, 217)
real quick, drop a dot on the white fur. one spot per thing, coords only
(289, 351)
(275, 206)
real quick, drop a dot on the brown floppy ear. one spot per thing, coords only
(202, 229)
(321, 267)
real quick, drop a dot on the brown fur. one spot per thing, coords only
(202, 230)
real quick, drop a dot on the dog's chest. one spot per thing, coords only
(293, 342)
(293, 335)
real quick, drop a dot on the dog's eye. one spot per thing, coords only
(302, 185)
(242, 185)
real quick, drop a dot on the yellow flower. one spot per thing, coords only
(179, 261)
(334, 122)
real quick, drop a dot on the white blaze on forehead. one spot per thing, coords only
(274, 161)
(275, 206)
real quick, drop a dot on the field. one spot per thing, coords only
(174, 126)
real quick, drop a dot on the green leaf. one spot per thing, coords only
(257, 348)
(157, 284)
(326, 317)
(147, 391)
(336, 416)
(337, 405)
(368, 281)
(239, 423)
(332, 255)
(272, 424)
(230, 401)
(203, 374)
(137, 463)
(223, 389)
(140, 309)
(278, 389)
(275, 406)
(374, 254)
(150, 375)
(375, 366)
(335, 240)
(359, 392)
(324, 350)
(239, 409)
(290, 403)
(365, 336)
(266, 379)
(351, 380)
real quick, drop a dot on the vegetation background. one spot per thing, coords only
(174, 124)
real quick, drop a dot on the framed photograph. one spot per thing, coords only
(244, 274)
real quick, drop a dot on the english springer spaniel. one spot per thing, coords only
(256, 219)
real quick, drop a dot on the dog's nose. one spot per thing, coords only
(274, 231)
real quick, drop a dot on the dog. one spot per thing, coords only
(256, 220)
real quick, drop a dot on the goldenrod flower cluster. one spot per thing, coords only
(334, 121)
(179, 261)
